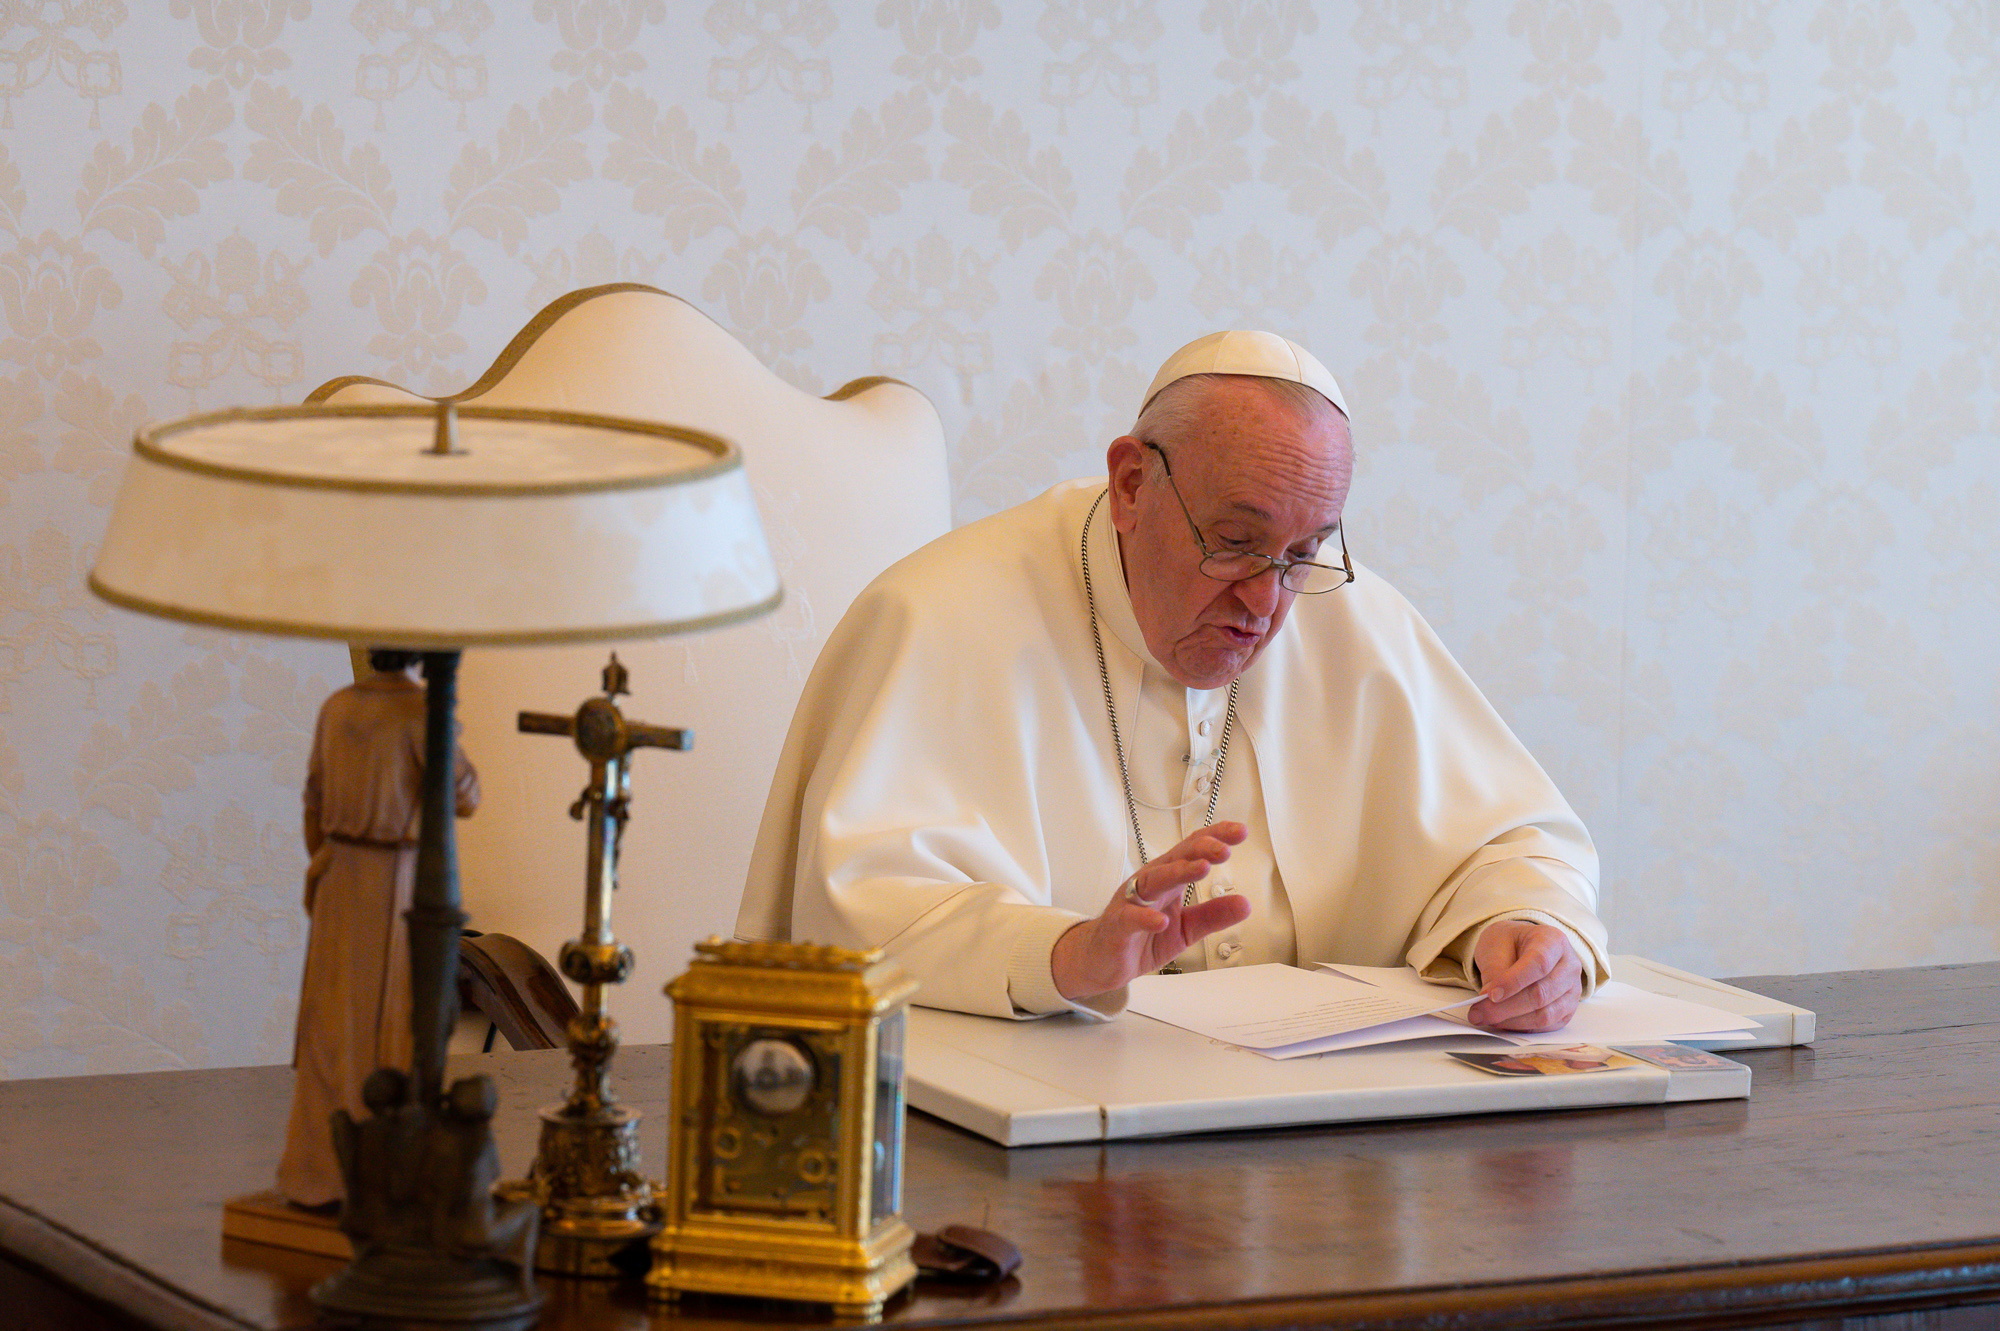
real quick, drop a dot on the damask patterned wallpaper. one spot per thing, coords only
(1670, 328)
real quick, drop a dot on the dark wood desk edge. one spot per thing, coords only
(1836, 1282)
(1851, 1285)
(68, 1261)
(1729, 1294)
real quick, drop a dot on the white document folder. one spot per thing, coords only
(1025, 1083)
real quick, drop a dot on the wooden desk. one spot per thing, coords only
(1863, 1177)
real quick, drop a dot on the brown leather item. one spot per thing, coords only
(964, 1253)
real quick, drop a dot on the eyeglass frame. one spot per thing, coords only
(1284, 566)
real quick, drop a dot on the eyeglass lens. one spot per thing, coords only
(1300, 577)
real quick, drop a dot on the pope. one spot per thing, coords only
(1161, 719)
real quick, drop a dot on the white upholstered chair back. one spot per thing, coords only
(846, 485)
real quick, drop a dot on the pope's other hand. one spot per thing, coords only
(1531, 977)
(1136, 935)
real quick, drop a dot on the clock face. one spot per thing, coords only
(772, 1077)
(770, 1136)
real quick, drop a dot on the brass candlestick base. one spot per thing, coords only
(586, 1178)
(598, 1203)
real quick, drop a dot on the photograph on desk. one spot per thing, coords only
(1546, 1060)
(1680, 1057)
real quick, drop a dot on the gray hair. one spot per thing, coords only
(1175, 408)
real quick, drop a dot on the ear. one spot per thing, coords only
(1125, 463)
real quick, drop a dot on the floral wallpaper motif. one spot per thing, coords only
(1672, 329)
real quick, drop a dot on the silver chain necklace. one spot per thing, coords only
(1111, 712)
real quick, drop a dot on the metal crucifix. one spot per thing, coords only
(586, 1173)
(606, 739)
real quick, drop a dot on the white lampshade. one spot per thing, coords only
(343, 522)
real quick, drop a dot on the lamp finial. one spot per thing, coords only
(445, 440)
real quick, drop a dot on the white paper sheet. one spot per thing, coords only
(1390, 1032)
(1273, 1006)
(1618, 1013)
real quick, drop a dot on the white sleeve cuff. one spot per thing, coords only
(1031, 982)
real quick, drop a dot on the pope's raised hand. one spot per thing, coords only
(1145, 926)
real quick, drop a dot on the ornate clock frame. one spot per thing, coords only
(786, 1131)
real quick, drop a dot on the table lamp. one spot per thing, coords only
(433, 530)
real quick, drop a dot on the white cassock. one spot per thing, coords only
(949, 790)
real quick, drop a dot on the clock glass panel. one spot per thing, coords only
(887, 1197)
(770, 1143)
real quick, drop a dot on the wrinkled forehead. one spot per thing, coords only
(1292, 473)
(1248, 428)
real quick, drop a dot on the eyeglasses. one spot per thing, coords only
(1296, 575)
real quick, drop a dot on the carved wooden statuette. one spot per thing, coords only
(362, 797)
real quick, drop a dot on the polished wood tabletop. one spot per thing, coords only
(1862, 1178)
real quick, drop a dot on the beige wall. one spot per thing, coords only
(1669, 328)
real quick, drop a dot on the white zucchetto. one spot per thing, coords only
(1264, 355)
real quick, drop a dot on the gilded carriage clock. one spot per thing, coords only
(786, 1135)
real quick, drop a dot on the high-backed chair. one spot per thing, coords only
(846, 485)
